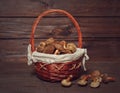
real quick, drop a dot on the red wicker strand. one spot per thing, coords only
(57, 71)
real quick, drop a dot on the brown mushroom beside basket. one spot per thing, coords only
(57, 71)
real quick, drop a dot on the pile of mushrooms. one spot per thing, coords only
(95, 79)
(52, 46)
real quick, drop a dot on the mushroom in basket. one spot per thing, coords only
(52, 46)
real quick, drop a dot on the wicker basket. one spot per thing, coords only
(57, 71)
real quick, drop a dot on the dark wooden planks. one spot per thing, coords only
(17, 77)
(99, 21)
(75, 7)
(90, 27)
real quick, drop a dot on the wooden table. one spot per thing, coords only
(100, 25)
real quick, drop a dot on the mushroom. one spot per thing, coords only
(107, 79)
(57, 52)
(95, 73)
(60, 48)
(50, 41)
(49, 49)
(66, 82)
(41, 47)
(83, 80)
(95, 84)
(64, 44)
(72, 47)
(96, 79)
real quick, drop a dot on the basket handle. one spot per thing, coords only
(58, 11)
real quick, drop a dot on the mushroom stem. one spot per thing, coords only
(66, 82)
(69, 77)
(56, 52)
(83, 80)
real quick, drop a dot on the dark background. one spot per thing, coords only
(100, 25)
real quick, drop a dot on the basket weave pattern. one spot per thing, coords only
(57, 71)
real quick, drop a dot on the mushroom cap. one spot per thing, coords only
(95, 73)
(63, 43)
(107, 79)
(82, 82)
(66, 83)
(97, 79)
(72, 47)
(50, 41)
(49, 49)
(41, 46)
(58, 46)
(95, 84)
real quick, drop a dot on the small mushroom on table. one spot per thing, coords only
(83, 80)
(96, 79)
(96, 82)
(107, 79)
(67, 82)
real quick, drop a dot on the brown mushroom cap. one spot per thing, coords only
(49, 49)
(50, 41)
(41, 47)
(95, 73)
(95, 84)
(66, 83)
(107, 79)
(58, 46)
(63, 43)
(72, 47)
(82, 82)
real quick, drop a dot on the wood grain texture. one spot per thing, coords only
(90, 27)
(17, 77)
(100, 25)
(75, 7)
